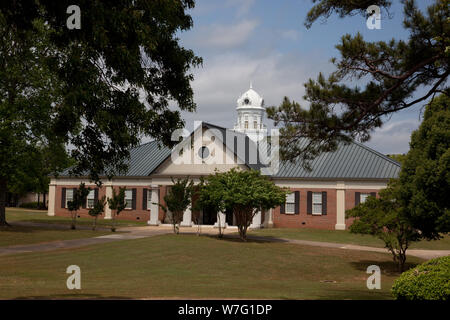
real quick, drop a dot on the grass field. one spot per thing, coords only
(187, 266)
(19, 214)
(18, 235)
(344, 236)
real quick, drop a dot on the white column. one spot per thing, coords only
(222, 218)
(269, 218)
(340, 209)
(187, 218)
(108, 194)
(256, 222)
(51, 198)
(154, 206)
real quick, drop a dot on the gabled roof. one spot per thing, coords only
(351, 161)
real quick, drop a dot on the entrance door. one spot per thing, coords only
(229, 216)
(209, 216)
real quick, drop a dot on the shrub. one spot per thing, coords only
(427, 281)
(33, 205)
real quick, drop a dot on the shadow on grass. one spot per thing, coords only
(386, 267)
(252, 239)
(73, 296)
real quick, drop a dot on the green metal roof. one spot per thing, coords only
(349, 161)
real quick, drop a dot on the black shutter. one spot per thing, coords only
(309, 203)
(133, 201)
(283, 208)
(96, 195)
(63, 198)
(373, 194)
(297, 202)
(83, 205)
(324, 203)
(74, 192)
(144, 199)
(357, 198)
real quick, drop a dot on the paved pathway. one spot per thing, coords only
(145, 232)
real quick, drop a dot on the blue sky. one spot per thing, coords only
(265, 42)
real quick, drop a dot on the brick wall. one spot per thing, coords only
(139, 214)
(304, 220)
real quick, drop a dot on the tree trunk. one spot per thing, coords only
(74, 219)
(3, 202)
(113, 228)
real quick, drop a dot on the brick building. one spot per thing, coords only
(336, 182)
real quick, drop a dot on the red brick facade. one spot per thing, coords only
(139, 214)
(305, 220)
(300, 220)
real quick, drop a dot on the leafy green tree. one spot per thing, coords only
(27, 90)
(178, 199)
(79, 198)
(425, 174)
(385, 218)
(97, 210)
(244, 191)
(117, 205)
(389, 76)
(100, 88)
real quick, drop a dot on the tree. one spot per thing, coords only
(244, 191)
(389, 76)
(97, 210)
(385, 218)
(79, 198)
(177, 200)
(117, 205)
(425, 174)
(99, 88)
(27, 90)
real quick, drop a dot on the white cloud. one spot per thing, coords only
(242, 6)
(226, 76)
(290, 34)
(393, 137)
(222, 36)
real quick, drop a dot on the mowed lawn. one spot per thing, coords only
(344, 236)
(25, 234)
(189, 266)
(40, 216)
(18, 235)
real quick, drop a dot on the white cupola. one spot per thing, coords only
(250, 108)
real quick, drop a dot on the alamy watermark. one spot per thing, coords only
(74, 280)
(74, 20)
(373, 281)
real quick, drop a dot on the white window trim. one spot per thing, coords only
(67, 198)
(321, 204)
(131, 205)
(92, 198)
(367, 194)
(149, 199)
(290, 202)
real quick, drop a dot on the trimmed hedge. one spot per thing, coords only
(427, 281)
(33, 205)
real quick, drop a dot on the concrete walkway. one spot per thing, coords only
(126, 233)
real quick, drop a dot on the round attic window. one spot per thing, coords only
(246, 101)
(203, 152)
